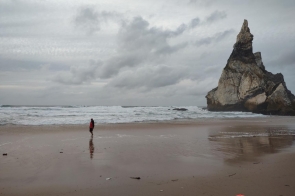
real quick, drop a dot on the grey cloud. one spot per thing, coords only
(195, 22)
(79, 74)
(114, 64)
(215, 38)
(221, 35)
(163, 85)
(15, 65)
(138, 32)
(201, 2)
(145, 64)
(25, 18)
(12, 7)
(18, 65)
(215, 16)
(16, 24)
(87, 15)
(171, 49)
(90, 19)
(139, 43)
(213, 69)
(169, 77)
(285, 60)
(147, 77)
(143, 46)
(178, 31)
(195, 87)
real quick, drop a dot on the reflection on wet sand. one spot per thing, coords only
(91, 147)
(238, 144)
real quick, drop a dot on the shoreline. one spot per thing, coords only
(182, 120)
(178, 157)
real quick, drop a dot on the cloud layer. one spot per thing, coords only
(132, 53)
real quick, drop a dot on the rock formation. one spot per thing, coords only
(180, 109)
(245, 85)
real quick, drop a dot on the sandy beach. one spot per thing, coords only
(253, 156)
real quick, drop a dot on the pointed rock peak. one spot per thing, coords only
(245, 27)
(244, 38)
(245, 85)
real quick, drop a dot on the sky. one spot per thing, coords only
(133, 52)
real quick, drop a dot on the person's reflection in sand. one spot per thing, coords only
(91, 147)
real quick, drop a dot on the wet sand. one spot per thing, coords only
(200, 157)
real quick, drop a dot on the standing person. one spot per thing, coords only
(91, 126)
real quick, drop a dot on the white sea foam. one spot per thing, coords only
(34, 115)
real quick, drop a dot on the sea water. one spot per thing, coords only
(54, 115)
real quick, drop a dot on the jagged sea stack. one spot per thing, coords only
(245, 85)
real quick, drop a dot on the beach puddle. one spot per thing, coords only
(236, 144)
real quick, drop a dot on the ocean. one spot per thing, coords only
(56, 115)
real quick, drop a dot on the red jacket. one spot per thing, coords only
(91, 125)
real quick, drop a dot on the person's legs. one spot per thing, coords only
(91, 131)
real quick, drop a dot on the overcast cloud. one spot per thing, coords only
(133, 52)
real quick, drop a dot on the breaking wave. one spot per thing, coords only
(54, 115)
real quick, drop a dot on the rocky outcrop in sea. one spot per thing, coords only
(245, 84)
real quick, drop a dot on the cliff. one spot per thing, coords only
(245, 85)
